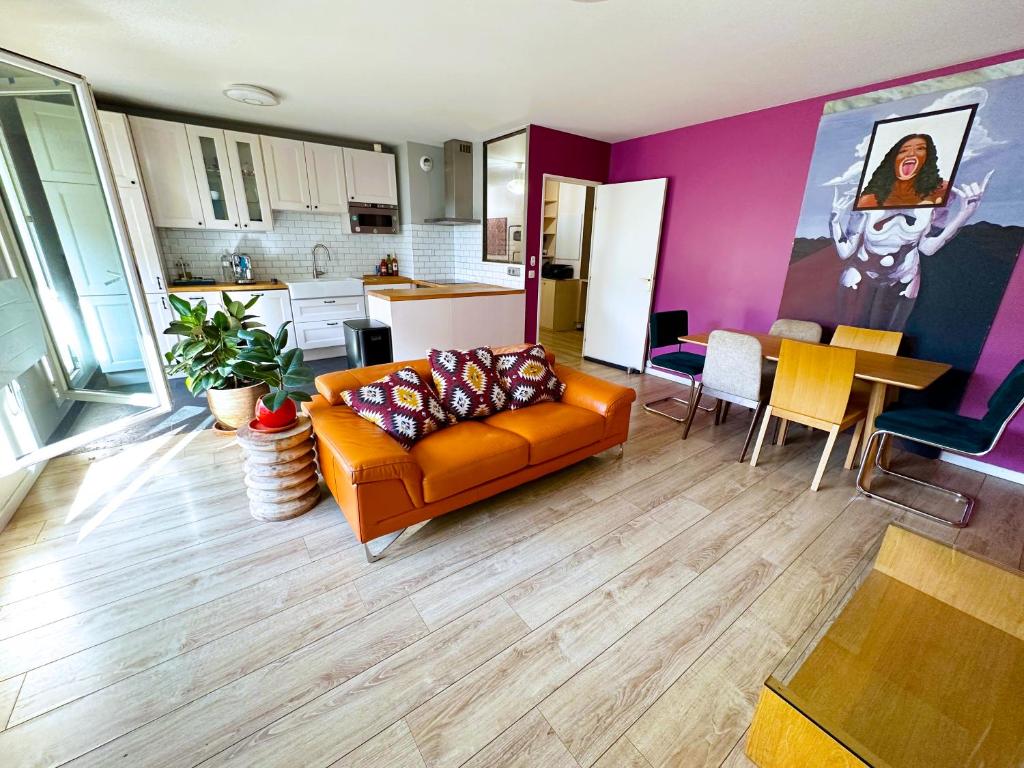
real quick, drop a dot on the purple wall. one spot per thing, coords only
(734, 195)
(559, 154)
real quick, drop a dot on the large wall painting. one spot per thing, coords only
(913, 215)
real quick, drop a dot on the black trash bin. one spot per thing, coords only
(367, 342)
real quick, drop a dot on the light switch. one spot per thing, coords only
(531, 274)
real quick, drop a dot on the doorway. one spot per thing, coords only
(566, 232)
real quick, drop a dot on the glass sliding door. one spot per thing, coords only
(78, 355)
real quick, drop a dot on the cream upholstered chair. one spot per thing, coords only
(733, 374)
(812, 387)
(800, 330)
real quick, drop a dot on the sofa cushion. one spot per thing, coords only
(467, 382)
(467, 455)
(528, 378)
(551, 429)
(401, 404)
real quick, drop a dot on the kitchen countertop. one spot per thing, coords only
(263, 285)
(461, 290)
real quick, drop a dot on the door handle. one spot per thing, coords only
(159, 282)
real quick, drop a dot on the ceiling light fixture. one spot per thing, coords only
(252, 94)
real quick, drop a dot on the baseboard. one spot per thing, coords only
(13, 490)
(980, 466)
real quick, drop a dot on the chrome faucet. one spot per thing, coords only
(320, 247)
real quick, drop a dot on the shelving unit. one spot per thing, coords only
(550, 218)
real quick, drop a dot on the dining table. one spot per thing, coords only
(881, 371)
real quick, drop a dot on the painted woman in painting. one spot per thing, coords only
(884, 247)
(908, 176)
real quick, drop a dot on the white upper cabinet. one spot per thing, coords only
(249, 180)
(114, 127)
(165, 159)
(213, 177)
(370, 177)
(285, 160)
(325, 169)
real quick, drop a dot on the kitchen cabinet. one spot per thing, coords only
(130, 191)
(248, 177)
(118, 142)
(162, 314)
(304, 176)
(271, 308)
(559, 302)
(370, 177)
(209, 153)
(325, 169)
(165, 159)
(285, 161)
(319, 322)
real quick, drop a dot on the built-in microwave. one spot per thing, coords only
(373, 219)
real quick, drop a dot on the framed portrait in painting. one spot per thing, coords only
(912, 161)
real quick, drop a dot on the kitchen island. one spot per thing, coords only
(454, 316)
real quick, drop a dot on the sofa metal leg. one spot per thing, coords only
(965, 503)
(381, 543)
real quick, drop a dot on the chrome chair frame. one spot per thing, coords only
(693, 388)
(965, 502)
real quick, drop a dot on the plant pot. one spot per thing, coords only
(282, 417)
(234, 407)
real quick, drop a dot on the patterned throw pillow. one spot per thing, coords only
(401, 404)
(528, 378)
(467, 383)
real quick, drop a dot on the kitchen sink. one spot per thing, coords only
(308, 288)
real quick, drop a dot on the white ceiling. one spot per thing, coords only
(429, 70)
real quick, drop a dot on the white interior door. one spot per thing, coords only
(623, 259)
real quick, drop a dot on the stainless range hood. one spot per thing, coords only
(458, 184)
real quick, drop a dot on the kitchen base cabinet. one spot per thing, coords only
(559, 304)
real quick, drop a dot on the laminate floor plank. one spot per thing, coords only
(621, 613)
(52, 605)
(335, 723)
(529, 743)
(393, 747)
(200, 729)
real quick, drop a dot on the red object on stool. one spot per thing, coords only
(282, 417)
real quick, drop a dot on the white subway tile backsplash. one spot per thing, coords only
(424, 251)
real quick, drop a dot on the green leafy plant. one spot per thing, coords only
(210, 345)
(266, 359)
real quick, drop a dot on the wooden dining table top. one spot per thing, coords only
(899, 371)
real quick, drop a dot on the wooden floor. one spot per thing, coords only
(622, 613)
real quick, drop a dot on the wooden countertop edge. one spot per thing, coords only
(217, 287)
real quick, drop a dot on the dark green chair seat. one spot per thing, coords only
(947, 430)
(683, 362)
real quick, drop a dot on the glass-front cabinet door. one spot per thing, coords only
(78, 353)
(213, 175)
(249, 180)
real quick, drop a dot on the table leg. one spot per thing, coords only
(876, 403)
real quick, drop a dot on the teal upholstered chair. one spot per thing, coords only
(950, 432)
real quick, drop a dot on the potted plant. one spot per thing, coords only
(265, 359)
(207, 354)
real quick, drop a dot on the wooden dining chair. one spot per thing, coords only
(867, 339)
(812, 387)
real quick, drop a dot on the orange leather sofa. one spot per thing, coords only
(382, 488)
